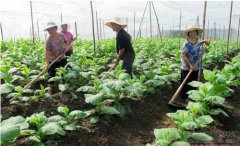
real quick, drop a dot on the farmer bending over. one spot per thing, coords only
(124, 47)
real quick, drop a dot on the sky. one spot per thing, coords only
(16, 19)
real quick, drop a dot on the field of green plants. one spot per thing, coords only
(156, 65)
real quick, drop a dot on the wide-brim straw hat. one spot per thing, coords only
(115, 20)
(193, 28)
(50, 25)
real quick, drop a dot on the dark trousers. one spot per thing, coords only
(186, 87)
(52, 69)
(69, 53)
(128, 63)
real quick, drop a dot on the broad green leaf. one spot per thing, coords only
(204, 120)
(27, 132)
(55, 118)
(6, 88)
(54, 79)
(77, 114)
(217, 112)
(109, 110)
(15, 121)
(9, 133)
(51, 129)
(168, 134)
(189, 125)
(200, 137)
(71, 127)
(88, 89)
(195, 84)
(63, 87)
(63, 110)
(180, 143)
(215, 99)
(94, 99)
(94, 119)
(124, 76)
(120, 108)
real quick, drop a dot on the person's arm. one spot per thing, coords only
(120, 54)
(47, 53)
(185, 59)
(184, 51)
(207, 42)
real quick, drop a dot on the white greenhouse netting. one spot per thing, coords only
(15, 17)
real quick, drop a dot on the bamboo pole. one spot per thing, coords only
(229, 26)
(159, 29)
(103, 30)
(76, 29)
(150, 17)
(203, 37)
(223, 32)
(208, 30)
(215, 31)
(100, 22)
(94, 41)
(61, 18)
(134, 26)
(38, 31)
(142, 19)
(179, 33)
(238, 33)
(33, 38)
(97, 26)
(219, 32)
(1, 31)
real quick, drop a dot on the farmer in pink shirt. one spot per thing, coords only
(56, 45)
(69, 37)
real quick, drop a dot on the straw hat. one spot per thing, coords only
(193, 28)
(115, 20)
(50, 25)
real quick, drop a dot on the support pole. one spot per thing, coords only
(134, 26)
(229, 26)
(76, 29)
(100, 31)
(150, 16)
(94, 41)
(179, 33)
(142, 19)
(61, 18)
(203, 37)
(33, 38)
(1, 31)
(238, 33)
(159, 29)
(97, 26)
(38, 31)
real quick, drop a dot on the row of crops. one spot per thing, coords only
(156, 64)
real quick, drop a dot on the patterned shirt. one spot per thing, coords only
(69, 37)
(193, 51)
(55, 47)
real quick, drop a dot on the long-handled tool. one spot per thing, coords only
(108, 71)
(176, 94)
